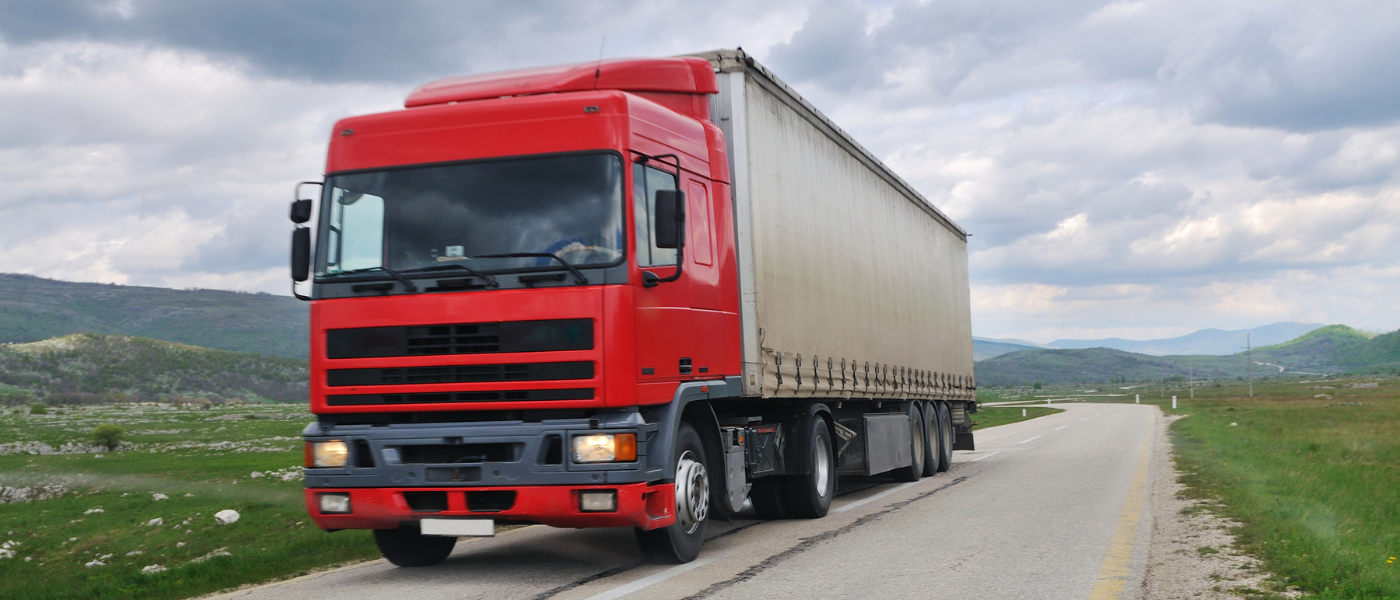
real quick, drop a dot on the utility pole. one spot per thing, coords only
(1249, 363)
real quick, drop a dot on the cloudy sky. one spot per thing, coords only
(1133, 169)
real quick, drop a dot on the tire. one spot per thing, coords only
(769, 498)
(945, 421)
(406, 547)
(916, 448)
(680, 542)
(809, 496)
(933, 440)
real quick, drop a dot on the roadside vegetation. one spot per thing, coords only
(1309, 467)
(80, 520)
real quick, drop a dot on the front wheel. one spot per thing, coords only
(680, 542)
(407, 547)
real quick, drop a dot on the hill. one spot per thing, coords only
(34, 309)
(1205, 341)
(987, 348)
(1330, 349)
(83, 368)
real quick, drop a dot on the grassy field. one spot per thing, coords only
(1311, 468)
(91, 532)
(991, 416)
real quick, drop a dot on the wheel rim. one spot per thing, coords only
(823, 467)
(692, 493)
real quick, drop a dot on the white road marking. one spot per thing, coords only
(1061, 427)
(874, 498)
(985, 456)
(1030, 440)
(651, 580)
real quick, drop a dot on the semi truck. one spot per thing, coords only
(643, 293)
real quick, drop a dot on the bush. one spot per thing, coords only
(1036, 385)
(108, 435)
(39, 409)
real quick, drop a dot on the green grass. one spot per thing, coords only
(1314, 481)
(992, 416)
(202, 460)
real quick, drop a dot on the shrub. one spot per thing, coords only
(1036, 385)
(108, 435)
(39, 409)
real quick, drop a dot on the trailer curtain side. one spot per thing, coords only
(852, 285)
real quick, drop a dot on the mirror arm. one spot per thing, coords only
(651, 280)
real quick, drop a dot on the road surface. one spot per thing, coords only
(1048, 508)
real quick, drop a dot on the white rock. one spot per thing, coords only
(159, 496)
(155, 521)
(72, 539)
(147, 570)
(255, 475)
(28, 558)
(1234, 424)
(226, 516)
(134, 553)
(179, 544)
(95, 563)
(7, 553)
(94, 511)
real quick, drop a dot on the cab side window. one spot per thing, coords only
(646, 181)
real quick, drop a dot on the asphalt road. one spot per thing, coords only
(1048, 508)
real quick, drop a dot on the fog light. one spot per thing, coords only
(605, 447)
(597, 501)
(335, 503)
(329, 454)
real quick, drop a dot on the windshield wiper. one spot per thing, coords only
(470, 271)
(578, 275)
(407, 284)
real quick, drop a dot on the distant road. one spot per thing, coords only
(1048, 508)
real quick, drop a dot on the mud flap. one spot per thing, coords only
(962, 440)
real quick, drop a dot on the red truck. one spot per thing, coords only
(636, 293)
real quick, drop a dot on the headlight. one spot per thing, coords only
(605, 447)
(329, 454)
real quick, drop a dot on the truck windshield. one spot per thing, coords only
(423, 217)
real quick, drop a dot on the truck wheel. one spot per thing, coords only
(809, 496)
(933, 439)
(680, 542)
(945, 421)
(769, 498)
(916, 447)
(406, 547)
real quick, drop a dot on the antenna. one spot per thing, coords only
(598, 70)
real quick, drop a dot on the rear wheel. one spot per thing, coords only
(809, 495)
(680, 542)
(408, 547)
(945, 421)
(933, 440)
(916, 446)
(769, 498)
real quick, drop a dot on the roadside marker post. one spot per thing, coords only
(1173, 402)
(1137, 398)
(1023, 412)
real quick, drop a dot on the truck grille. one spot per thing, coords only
(460, 374)
(446, 454)
(462, 338)
(484, 396)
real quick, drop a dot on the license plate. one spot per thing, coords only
(458, 527)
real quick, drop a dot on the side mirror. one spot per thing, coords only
(301, 211)
(669, 227)
(301, 253)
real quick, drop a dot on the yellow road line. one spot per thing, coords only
(1113, 574)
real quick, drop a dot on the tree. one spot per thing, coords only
(108, 435)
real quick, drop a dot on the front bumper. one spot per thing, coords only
(638, 505)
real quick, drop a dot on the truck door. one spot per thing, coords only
(664, 326)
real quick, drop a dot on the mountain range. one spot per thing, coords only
(1217, 342)
(34, 309)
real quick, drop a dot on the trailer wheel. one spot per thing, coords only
(933, 439)
(945, 422)
(916, 447)
(407, 547)
(809, 496)
(680, 542)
